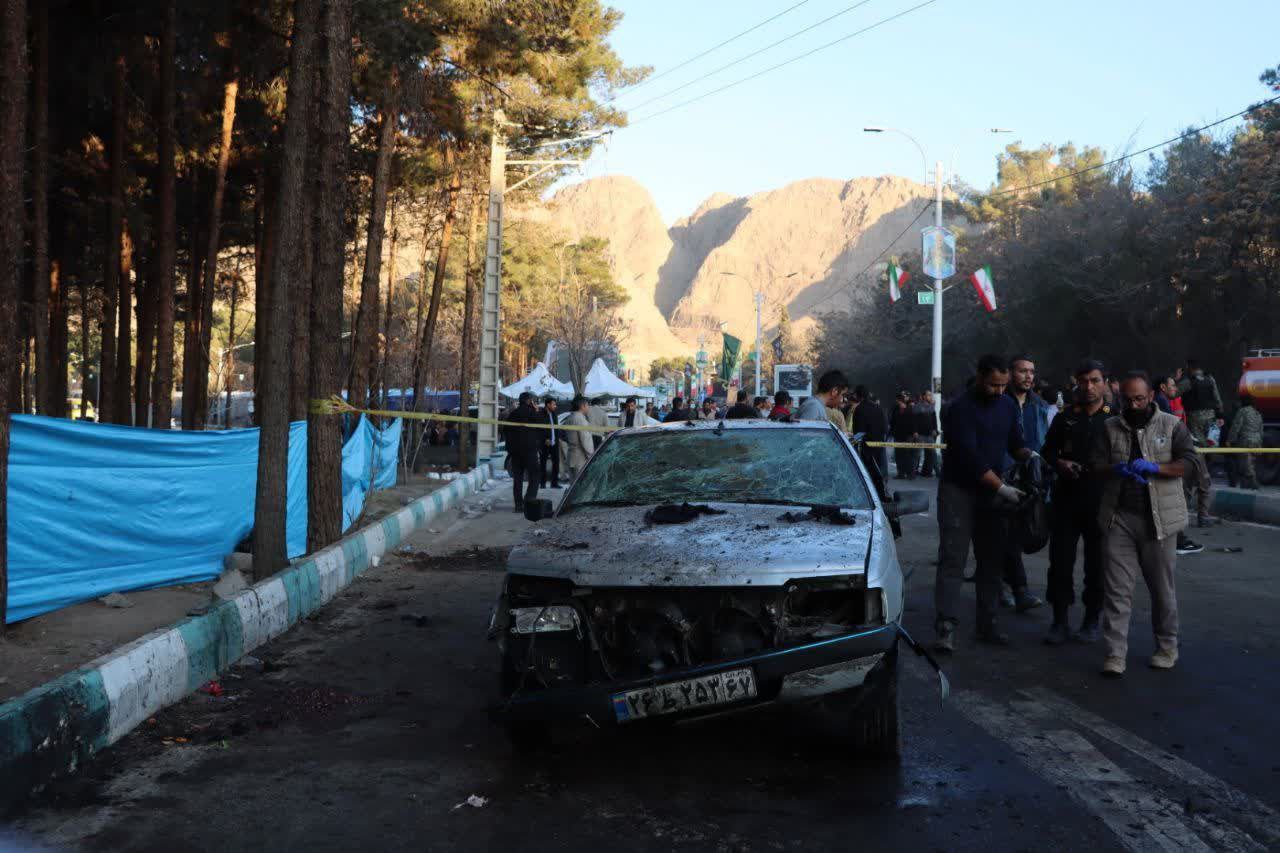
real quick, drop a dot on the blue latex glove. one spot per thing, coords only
(1144, 467)
(1128, 469)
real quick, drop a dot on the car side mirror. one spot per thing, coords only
(906, 503)
(538, 509)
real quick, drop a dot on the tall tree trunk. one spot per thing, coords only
(324, 432)
(124, 335)
(468, 311)
(230, 355)
(59, 306)
(437, 282)
(146, 316)
(364, 340)
(384, 350)
(85, 364)
(13, 115)
(300, 287)
(167, 226)
(263, 257)
(40, 207)
(115, 231)
(270, 544)
(192, 413)
(205, 342)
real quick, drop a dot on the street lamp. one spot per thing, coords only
(937, 283)
(759, 297)
(924, 161)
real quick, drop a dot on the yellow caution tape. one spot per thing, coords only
(339, 406)
(905, 445)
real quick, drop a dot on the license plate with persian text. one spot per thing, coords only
(703, 691)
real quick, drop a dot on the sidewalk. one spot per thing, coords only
(46, 646)
(50, 730)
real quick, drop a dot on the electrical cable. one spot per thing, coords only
(709, 50)
(751, 55)
(797, 58)
(1146, 150)
(930, 203)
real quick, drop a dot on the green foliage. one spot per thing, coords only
(1183, 267)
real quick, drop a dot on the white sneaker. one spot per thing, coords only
(1113, 667)
(1164, 659)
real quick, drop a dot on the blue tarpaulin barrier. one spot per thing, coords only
(98, 508)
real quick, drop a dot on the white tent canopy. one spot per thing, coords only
(541, 383)
(602, 383)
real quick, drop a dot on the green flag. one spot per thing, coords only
(729, 360)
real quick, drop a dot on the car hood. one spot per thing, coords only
(749, 545)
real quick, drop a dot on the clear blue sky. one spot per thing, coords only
(1092, 72)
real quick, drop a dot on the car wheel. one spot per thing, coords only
(867, 721)
(874, 729)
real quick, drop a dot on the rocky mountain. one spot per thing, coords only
(803, 246)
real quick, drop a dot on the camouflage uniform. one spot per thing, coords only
(1202, 407)
(1246, 431)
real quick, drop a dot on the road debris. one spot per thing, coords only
(474, 801)
(115, 599)
(213, 688)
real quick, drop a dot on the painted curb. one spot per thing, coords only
(1247, 505)
(51, 730)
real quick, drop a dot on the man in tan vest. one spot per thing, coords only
(1143, 455)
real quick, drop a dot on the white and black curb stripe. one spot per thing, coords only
(51, 730)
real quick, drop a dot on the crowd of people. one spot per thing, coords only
(1118, 450)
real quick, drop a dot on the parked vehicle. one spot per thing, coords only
(1261, 379)
(694, 569)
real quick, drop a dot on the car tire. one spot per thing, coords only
(874, 728)
(867, 721)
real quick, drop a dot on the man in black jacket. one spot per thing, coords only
(869, 420)
(549, 449)
(742, 409)
(523, 444)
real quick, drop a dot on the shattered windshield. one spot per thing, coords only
(777, 466)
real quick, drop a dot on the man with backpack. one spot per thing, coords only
(1201, 400)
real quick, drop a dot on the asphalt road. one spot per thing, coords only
(364, 728)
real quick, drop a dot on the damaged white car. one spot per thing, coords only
(700, 568)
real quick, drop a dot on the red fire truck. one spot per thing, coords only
(1261, 378)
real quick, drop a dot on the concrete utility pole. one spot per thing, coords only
(491, 297)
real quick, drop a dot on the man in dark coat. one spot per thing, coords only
(523, 444)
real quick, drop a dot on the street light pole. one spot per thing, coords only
(759, 306)
(937, 302)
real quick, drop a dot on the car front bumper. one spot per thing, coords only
(797, 673)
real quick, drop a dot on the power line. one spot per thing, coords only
(753, 53)
(912, 224)
(711, 50)
(1048, 181)
(804, 55)
(1133, 154)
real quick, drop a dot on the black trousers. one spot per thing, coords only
(552, 453)
(524, 463)
(905, 459)
(930, 465)
(1074, 519)
(1014, 572)
(967, 519)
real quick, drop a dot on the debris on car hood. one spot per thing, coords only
(745, 546)
(832, 514)
(679, 513)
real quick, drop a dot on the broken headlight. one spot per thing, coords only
(535, 620)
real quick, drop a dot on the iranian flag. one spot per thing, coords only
(985, 285)
(897, 278)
